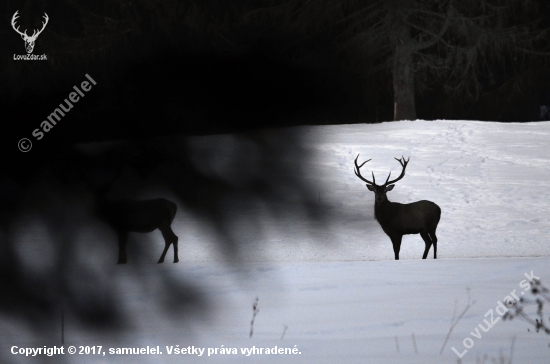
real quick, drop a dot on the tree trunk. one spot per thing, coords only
(403, 75)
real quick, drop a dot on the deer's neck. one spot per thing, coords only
(383, 211)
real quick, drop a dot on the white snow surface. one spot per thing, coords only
(339, 297)
(490, 179)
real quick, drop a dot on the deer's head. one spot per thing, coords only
(380, 190)
(29, 40)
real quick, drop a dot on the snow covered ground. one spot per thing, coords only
(490, 180)
(338, 296)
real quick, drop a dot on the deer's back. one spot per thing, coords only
(412, 218)
(139, 216)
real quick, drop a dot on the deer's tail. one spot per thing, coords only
(173, 209)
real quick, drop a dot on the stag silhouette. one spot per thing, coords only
(142, 216)
(397, 219)
(29, 40)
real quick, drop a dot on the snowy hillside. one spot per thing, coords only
(335, 293)
(490, 180)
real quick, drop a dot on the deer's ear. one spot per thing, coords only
(370, 187)
(389, 188)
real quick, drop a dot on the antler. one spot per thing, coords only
(403, 163)
(35, 33)
(15, 16)
(358, 173)
(43, 26)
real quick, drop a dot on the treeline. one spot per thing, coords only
(216, 66)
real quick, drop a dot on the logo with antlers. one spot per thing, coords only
(29, 40)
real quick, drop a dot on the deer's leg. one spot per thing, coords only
(169, 238)
(122, 239)
(396, 241)
(176, 259)
(434, 241)
(166, 246)
(428, 242)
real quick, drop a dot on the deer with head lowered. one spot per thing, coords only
(397, 219)
(124, 216)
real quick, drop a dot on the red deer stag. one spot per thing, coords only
(397, 219)
(126, 216)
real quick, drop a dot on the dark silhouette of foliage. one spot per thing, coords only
(540, 296)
